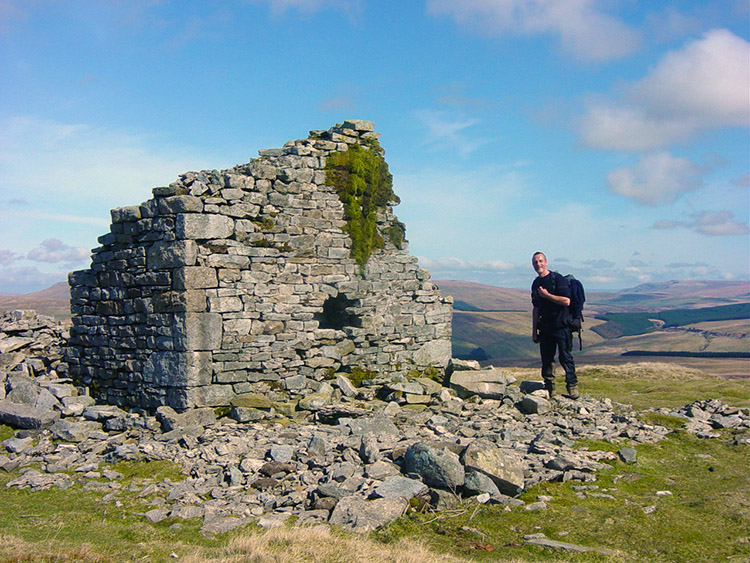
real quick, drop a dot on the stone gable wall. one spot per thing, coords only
(240, 280)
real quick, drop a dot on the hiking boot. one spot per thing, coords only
(573, 392)
(550, 388)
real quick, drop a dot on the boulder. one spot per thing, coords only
(362, 516)
(533, 404)
(437, 467)
(500, 465)
(70, 431)
(24, 416)
(478, 483)
(171, 420)
(486, 383)
(400, 487)
(251, 401)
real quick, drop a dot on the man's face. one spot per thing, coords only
(539, 261)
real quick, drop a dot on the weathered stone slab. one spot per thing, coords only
(377, 426)
(198, 331)
(203, 226)
(541, 540)
(532, 404)
(362, 516)
(171, 420)
(172, 254)
(400, 487)
(488, 383)
(252, 401)
(437, 467)
(70, 431)
(195, 277)
(503, 467)
(24, 416)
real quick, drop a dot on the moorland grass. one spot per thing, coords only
(646, 385)
(685, 499)
(704, 517)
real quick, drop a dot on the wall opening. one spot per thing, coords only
(335, 314)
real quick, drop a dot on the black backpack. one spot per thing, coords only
(575, 309)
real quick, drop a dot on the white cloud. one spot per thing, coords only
(7, 257)
(711, 223)
(448, 134)
(719, 223)
(27, 279)
(700, 87)
(54, 250)
(655, 179)
(696, 270)
(75, 167)
(665, 224)
(310, 6)
(583, 28)
(449, 264)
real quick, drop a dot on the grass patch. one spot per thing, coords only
(705, 518)
(5, 432)
(651, 384)
(361, 178)
(152, 470)
(76, 525)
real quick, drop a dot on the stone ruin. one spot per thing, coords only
(244, 281)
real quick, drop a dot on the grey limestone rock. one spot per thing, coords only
(477, 483)
(22, 416)
(628, 455)
(400, 487)
(532, 404)
(487, 383)
(500, 465)
(438, 467)
(362, 516)
(70, 431)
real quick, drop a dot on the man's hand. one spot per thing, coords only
(535, 336)
(556, 299)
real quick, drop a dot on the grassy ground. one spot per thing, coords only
(685, 499)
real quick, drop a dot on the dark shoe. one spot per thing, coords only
(573, 392)
(550, 387)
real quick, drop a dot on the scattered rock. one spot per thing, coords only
(628, 455)
(355, 466)
(542, 540)
(361, 516)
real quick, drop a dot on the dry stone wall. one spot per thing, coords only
(241, 280)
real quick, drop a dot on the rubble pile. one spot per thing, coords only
(353, 456)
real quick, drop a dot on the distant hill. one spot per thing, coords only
(477, 296)
(642, 298)
(703, 289)
(53, 301)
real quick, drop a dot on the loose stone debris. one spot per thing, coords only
(355, 457)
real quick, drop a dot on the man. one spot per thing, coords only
(550, 296)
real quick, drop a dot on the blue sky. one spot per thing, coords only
(611, 134)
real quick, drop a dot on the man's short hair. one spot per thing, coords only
(536, 253)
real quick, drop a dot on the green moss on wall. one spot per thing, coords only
(361, 178)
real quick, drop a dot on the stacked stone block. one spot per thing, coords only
(241, 280)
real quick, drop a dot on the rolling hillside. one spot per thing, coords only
(53, 301)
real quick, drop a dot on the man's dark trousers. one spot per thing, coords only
(562, 340)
